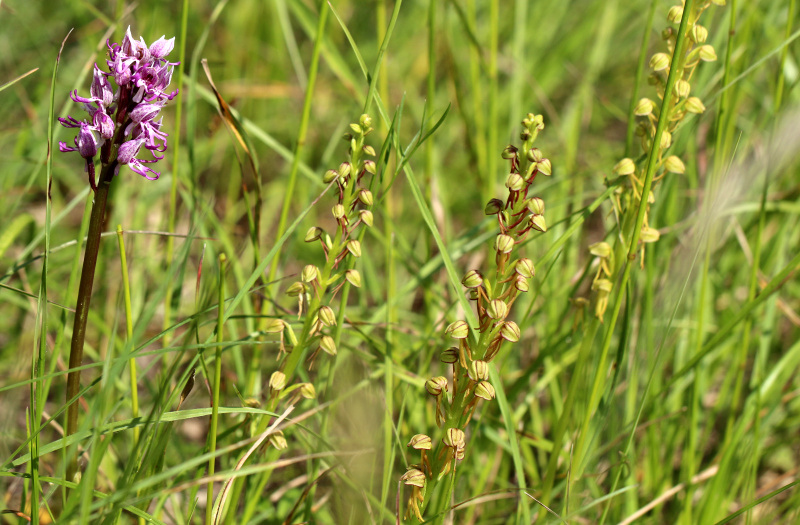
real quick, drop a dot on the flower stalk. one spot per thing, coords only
(142, 75)
(494, 296)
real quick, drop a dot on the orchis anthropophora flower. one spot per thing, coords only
(142, 75)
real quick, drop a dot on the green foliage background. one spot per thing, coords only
(711, 440)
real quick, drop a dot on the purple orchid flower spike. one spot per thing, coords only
(124, 121)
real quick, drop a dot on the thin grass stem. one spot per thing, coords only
(212, 431)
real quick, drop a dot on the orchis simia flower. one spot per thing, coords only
(142, 75)
(122, 124)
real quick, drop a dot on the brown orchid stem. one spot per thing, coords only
(82, 307)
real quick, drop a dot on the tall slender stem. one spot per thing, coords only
(82, 307)
(212, 432)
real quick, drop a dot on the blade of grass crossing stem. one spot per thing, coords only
(212, 432)
(637, 82)
(598, 383)
(36, 406)
(389, 207)
(38, 356)
(126, 287)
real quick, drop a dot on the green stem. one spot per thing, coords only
(82, 306)
(212, 432)
(126, 287)
(129, 331)
(648, 29)
(173, 191)
(675, 72)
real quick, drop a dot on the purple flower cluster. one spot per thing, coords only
(142, 75)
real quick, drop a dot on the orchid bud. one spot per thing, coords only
(328, 345)
(536, 205)
(449, 356)
(515, 182)
(414, 477)
(644, 107)
(600, 249)
(308, 391)
(366, 217)
(327, 316)
(420, 442)
(274, 326)
(330, 176)
(472, 279)
(310, 273)
(683, 88)
(695, 105)
(485, 390)
(454, 438)
(478, 370)
(277, 381)
(353, 277)
(534, 155)
(699, 34)
(649, 234)
(365, 121)
(510, 152)
(545, 167)
(538, 223)
(494, 206)
(365, 196)
(510, 332)
(666, 139)
(602, 285)
(675, 14)
(354, 247)
(458, 330)
(504, 243)
(659, 62)
(436, 385)
(497, 309)
(314, 233)
(624, 167)
(674, 165)
(525, 268)
(707, 53)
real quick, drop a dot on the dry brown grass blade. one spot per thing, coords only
(232, 124)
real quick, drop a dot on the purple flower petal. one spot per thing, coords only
(87, 141)
(162, 47)
(128, 150)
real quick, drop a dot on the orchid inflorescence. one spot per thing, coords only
(682, 103)
(317, 287)
(494, 295)
(142, 75)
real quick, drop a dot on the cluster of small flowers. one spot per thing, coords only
(313, 290)
(142, 75)
(682, 103)
(494, 297)
(350, 212)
